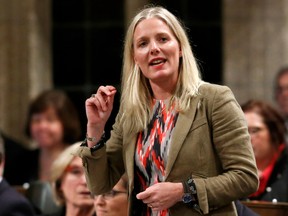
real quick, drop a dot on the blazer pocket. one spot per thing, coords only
(198, 123)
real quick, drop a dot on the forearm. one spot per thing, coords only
(94, 134)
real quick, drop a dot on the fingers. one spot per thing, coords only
(158, 196)
(106, 91)
(146, 197)
(155, 206)
(143, 195)
(104, 97)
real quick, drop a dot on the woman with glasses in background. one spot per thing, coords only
(267, 130)
(69, 185)
(114, 202)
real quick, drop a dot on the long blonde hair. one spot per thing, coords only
(58, 170)
(136, 91)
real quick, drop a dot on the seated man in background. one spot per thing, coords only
(281, 94)
(11, 202)
(18, 157)
(281, 91)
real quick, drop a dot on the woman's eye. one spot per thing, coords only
(76, 171)
(163, 39)
(142, 44)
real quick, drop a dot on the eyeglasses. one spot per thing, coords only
(255, 130)
(281, 89)
(110, 194)
(75, 170)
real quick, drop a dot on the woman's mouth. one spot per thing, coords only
(157, 62)
(85, 193)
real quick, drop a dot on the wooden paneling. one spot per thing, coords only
(264, 208)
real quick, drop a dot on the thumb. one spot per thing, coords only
(142, 195)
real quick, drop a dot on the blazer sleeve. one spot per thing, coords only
(238, 173)
(104, 167)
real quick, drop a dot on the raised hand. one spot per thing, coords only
(98, 109)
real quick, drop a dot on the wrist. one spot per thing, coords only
(94, 127)
(180, 191)
(97, 144)
(93, 134)
(92, 140)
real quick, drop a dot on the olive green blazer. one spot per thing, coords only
(210, 142)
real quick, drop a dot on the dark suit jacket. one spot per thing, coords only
(210, 142)
(12, 203)
(19, 158)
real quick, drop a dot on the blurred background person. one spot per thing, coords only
(69, 185)
(114, 202)
(52, 124)
(11, 202)
(267, 130)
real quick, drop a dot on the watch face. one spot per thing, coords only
(187, 198)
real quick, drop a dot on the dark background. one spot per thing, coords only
(88, 35)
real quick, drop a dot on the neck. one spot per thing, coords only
(160, 93)
(46, 157)
(72, 210)
(264, 163)
(164, 89)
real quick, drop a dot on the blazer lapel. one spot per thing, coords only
(129, 152)
(181, 130)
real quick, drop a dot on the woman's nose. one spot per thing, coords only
(154, 49)
(82, 179)
(99, 200)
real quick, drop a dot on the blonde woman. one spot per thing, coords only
(183, 143)
(69, 185)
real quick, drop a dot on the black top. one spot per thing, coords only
(277, 186)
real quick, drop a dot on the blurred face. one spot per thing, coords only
(282, 94)
(156, 51)
(113, 203)
(46, 128)
(74, 187)
(260, 136)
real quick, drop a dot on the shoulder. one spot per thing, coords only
(12, 201)
(9, 194)
(219, 101)
(215, 94)
(209, 89)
